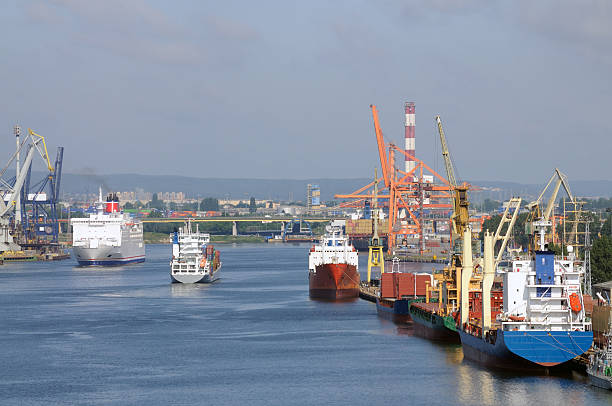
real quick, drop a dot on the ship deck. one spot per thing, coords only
(429, 307)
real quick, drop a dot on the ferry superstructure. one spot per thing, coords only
(107, 237)
(333, 267)
(194, 259)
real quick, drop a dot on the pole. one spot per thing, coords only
(17, 131)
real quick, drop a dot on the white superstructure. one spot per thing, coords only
(544, 293)
(193, 258)
(334, 248)
(107, 237)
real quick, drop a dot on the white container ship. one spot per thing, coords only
(107, 237)
(194, 259)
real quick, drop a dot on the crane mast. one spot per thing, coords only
(450, 172)
(460, 217)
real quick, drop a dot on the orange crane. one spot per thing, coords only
(407, 194)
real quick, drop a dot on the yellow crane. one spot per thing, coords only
(458, 275)
(376, 257)
(460, 217)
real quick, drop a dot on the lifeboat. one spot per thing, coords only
(574, 301)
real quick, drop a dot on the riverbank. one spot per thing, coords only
(162, 238)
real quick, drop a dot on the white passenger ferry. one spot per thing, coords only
(107, 237)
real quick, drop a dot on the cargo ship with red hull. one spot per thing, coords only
(333, 267)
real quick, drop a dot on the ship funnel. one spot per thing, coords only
(112, 203)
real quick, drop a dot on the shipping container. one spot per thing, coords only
(404, 285)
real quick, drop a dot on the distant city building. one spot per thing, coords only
(177, 197)
(236, 202)
(313, 198)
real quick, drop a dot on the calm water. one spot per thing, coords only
(127, 336)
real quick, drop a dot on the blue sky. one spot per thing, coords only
(281, 89)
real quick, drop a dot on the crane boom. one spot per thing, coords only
(539, 220)
(509, 216)
(460, 217)
(561, 180)
(381, 146)
(450, 172)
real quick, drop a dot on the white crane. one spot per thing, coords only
(10, 192)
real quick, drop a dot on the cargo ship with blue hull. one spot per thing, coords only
(395, 310)
(399, 291)
(107, 237)
(528, 349)
(542, 323)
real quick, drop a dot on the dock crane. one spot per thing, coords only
(509, 217)
(376, 257)
(458, 275)
(539, 221)
(11, 191)
(403, 192)
(460, 217)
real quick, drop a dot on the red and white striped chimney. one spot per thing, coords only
(410, 145)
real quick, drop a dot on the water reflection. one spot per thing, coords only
(188, 290)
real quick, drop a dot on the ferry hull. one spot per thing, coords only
(107, 256)
(334, 281)
(432, 326)
(122, 261)
(527, 349)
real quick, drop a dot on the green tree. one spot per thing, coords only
(252, 205)
(606, 228)
(155, 203)
(490, 205)
(155, 213)
(209, 204)
(601, 260)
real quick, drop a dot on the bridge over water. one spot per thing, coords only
(263, 220)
